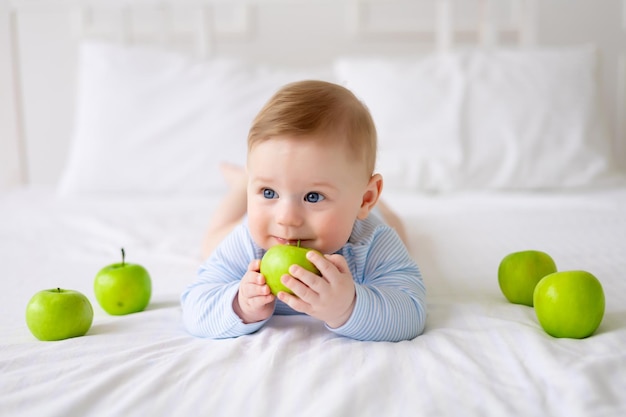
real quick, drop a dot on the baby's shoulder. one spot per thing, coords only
(239, 244)
(365, 232)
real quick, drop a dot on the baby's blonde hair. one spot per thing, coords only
(306, 108)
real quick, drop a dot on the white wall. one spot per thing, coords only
(48, 76)
(10, 169)
(563, 22)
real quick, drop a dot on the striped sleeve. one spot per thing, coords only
(390, 293)
(207, 303)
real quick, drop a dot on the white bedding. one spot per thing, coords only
(479, 355)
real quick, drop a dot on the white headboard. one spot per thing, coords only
(39, 39)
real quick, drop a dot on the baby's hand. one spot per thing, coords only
(330, 297)
(254, 301)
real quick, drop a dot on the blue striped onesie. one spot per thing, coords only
(390, 294)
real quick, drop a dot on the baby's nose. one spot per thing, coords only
(289, 213)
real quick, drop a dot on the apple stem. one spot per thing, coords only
(58, 289)
(123, 256)
(298, 242)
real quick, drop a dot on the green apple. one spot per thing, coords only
(276, 262)
(519, 273)
(569, 304)
(58, 314)
(123, 288)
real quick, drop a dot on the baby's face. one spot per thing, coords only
(303, 189)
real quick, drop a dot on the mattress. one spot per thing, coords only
(479, 355)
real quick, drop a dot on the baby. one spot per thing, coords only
(309, 179)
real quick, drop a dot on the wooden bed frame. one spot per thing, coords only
(39, 39)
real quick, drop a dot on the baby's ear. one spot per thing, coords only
(370, 196)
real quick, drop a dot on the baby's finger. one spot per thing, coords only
(261, 300)
(299, 288)
(254, 265)
(322, 263)
(260, 280)
(309, 279)
(339, 262)
(263, 290)
(255, 287)
(295, 302)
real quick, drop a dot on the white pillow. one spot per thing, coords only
(416, 106)
(152, 121)
(534, 120)
(486, 120)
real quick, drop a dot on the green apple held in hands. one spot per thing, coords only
(58, 314)
(123, 288)
(276, 262)
(569, 304)
(519, 273)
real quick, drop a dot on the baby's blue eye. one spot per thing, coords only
(269, 193)
(313, 197)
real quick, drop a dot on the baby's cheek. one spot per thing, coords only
(258, 231)
(334, 234)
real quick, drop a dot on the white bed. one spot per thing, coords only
(465, 207)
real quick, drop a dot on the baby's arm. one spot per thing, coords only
(208, 304)
(390, 301)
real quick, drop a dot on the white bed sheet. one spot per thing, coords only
(479, 355)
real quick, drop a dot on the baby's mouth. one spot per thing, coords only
(292, 242)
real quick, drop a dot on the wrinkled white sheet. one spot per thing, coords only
(479, 355)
